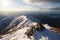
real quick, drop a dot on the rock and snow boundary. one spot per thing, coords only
(46, 34)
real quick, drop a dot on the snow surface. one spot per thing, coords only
(38, 35)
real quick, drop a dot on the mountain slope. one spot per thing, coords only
(23, 26)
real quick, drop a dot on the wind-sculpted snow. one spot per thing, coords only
(19, 21)
(23, 23)
(16, 21)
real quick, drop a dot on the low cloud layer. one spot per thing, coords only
(56, 8)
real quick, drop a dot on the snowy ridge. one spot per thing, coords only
(24, 23)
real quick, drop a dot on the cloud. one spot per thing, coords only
(40, 1)
(50, 1)
(57, 8)
(43, 4)
(35, 2)
(53, 8)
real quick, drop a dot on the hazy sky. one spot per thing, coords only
(29, 5)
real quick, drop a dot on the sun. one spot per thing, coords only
(4, 3)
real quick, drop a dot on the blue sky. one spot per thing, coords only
(28, 5)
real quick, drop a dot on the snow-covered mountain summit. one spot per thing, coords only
(23, 23)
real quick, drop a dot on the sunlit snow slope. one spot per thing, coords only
(22, 23)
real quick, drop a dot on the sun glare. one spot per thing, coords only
(4, 3)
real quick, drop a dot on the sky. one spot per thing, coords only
(29, 5)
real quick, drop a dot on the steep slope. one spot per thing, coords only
(23, 26)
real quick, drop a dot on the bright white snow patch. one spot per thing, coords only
(47, 26)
